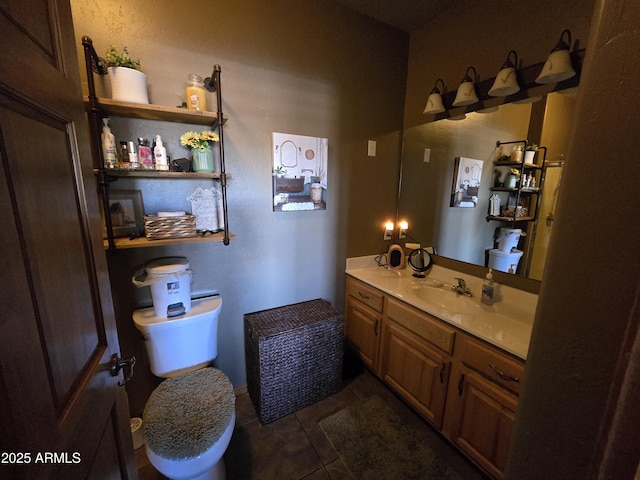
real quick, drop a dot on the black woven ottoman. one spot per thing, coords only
(294, 357)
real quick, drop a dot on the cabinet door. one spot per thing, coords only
(483, 421)
(415, 370)
(362, 326)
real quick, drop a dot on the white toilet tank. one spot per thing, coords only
(181, 344)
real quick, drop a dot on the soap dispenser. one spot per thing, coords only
(488, 289)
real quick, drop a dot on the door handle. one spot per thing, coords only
(118, 364)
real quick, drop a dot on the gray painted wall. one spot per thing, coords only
(307, 68)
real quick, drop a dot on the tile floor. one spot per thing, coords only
(295, 448)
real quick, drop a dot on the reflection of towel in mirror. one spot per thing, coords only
(467, 204)
(297, 206)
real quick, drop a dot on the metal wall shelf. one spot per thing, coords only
(97, 108)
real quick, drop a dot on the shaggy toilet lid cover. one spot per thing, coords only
(187, 414)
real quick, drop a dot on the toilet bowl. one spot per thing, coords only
(189, 418)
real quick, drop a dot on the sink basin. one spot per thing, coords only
(447, 300)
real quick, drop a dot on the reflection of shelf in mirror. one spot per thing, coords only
(155, 112)
(142, 242)
(517, 164)
(501, 218)
(514, 190)
(160, 174)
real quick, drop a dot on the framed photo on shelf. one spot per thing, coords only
(126, 212)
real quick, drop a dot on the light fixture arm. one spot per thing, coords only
(467, 78)
(435, 86)
(508, 63)
(562, 45)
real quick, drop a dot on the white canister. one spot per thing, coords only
(170, 282)
(137, 434)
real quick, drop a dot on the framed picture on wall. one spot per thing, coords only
(299, 172)
(126, 212)
(467, 174)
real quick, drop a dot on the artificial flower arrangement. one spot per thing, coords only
(198, 140)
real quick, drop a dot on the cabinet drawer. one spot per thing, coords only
(422, 325)
(367, 295)
(494, 365)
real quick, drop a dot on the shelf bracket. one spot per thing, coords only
(211, 83)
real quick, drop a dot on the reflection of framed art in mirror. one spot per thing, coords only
(467, 174)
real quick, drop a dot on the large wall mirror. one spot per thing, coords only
(428, 168)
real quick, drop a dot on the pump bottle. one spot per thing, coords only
(108, 145)
(488, 289)
(160, 155)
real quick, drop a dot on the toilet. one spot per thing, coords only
(504, 261)
(189, 418)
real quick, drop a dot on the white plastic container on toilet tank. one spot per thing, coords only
(508, 239)
(170, 282)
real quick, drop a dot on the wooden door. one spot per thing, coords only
(414, 369)
(482, 421)
(362, 325)
(62, 415)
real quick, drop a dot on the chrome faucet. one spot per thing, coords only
(461, 288)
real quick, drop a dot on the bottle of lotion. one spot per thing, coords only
(160, 155)
(108, 145)
(488, 288)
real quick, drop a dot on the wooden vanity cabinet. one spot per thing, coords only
(363, 321)
(465, 387)
(481, 404)
(416, 362)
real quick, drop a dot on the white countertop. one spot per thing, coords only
(506, 324)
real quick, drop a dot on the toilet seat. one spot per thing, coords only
(186, 415)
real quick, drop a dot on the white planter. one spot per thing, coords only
(128, 85)
(529, 157)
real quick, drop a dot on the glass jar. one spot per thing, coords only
(516, 154)
(195, 93)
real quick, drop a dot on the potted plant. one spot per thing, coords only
(512, 178)
(128, 83)
(200, 145)
(279, 171)
(530, 154)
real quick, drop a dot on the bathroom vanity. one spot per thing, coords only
(457, 362)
